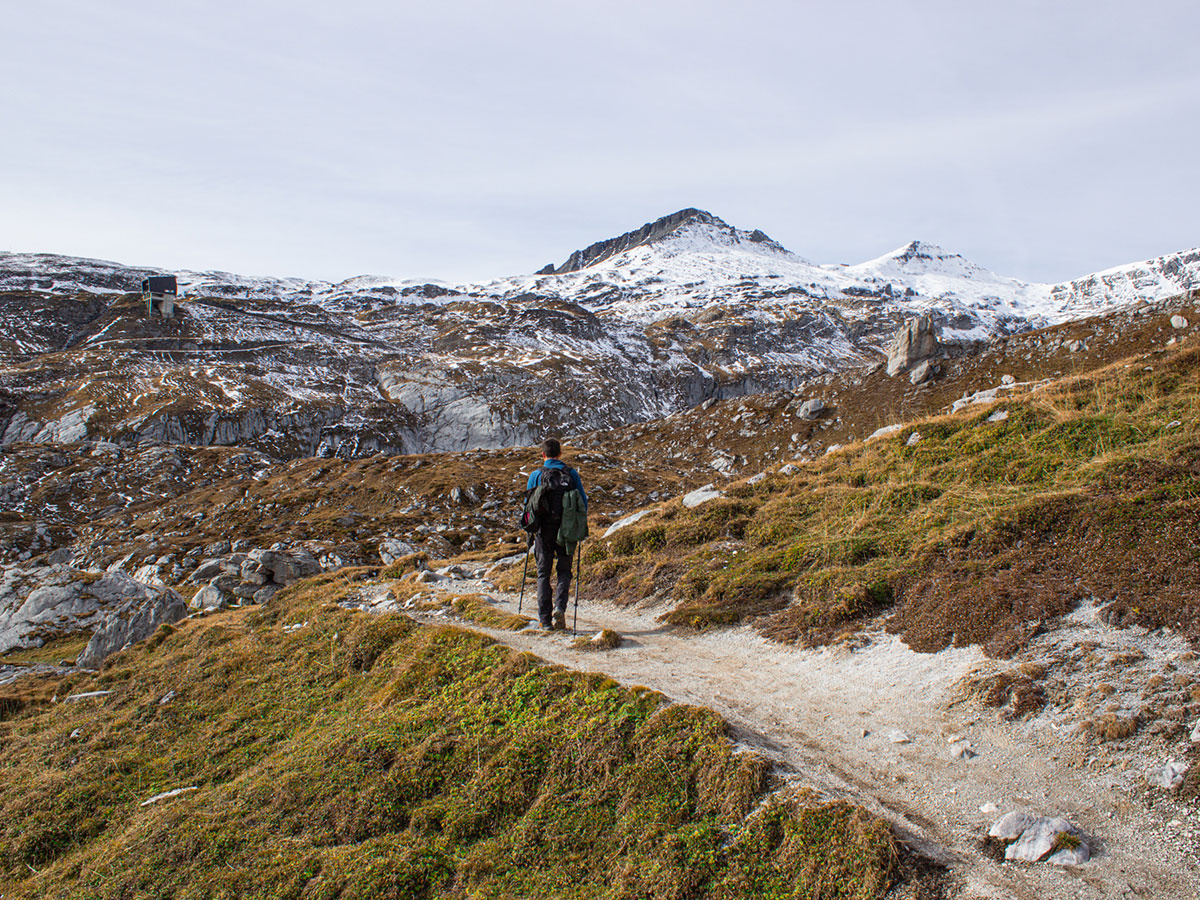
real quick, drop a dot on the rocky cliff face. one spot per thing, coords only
(681, 310)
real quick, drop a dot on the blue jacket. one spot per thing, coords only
(535, 477)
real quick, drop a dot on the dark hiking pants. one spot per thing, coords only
(546, 549)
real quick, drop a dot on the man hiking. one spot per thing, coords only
(556, 479)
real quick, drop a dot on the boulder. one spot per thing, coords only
(811, 409)
(391, 550)
(265, 593)
(1070, 856)
(135, 621)
(254, 572)
(914, 343)
(1179, 322)
(923, 371)
(283, 568)
(1040, 839)
(209, 598)
(207, 570)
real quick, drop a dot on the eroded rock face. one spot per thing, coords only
(913, 344)
(134, 621)
(39, 604)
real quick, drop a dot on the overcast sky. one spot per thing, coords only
(462, 139)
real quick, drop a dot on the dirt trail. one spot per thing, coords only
(838, 719)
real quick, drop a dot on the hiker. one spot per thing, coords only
(557, 480)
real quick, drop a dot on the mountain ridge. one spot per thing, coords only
(684, 309)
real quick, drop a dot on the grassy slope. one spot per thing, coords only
(365, 756)
(976, 532)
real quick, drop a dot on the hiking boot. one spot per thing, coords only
(560, 621)
(547, 626)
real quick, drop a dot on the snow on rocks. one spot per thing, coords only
(701, 495)
(1040, 839)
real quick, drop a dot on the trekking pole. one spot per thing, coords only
(578, 571)
(524, 575)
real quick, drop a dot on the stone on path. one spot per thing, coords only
(1167, 777)
(1036, 841)
(1010, 826)
(1050, 839)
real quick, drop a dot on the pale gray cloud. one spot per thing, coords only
(469, 139)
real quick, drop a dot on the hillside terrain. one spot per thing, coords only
(687, 308)
(840, 612)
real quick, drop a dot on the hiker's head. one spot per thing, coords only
(551, 448)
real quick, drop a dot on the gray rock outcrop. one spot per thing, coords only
(253, 576)
(914, 343)
(40, 604)
(134, 621)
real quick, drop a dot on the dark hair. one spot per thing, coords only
(552, 448)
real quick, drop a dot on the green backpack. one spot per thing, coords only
(574, 526)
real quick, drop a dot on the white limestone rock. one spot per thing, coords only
(1038, 840)
(701, 495)
(626, 522)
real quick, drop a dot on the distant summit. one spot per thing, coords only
(923, 258)
(654, 232)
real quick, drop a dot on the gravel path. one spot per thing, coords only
(874, 724)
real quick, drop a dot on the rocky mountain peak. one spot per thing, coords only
(651, 233)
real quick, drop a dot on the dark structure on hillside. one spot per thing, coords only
(159, 292)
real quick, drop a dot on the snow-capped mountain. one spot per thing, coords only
(631, 328)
